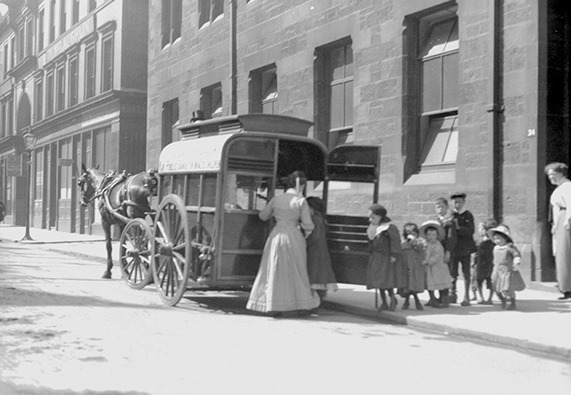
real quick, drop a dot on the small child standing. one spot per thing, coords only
(485, 261)
(319, 269)
(437, 272)
(412, 253)
(506, 278)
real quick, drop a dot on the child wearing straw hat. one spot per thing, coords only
(437, 272)
(506, 278)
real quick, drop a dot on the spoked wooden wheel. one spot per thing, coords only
(135, 253)
(171, 250)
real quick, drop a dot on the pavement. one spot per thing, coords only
(541, 322)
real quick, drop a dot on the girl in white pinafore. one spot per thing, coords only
(282, 283)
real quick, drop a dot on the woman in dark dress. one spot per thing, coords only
(384, 262)
(321, 276)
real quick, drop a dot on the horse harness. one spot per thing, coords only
(125, 195)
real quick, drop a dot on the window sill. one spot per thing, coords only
(432, 177)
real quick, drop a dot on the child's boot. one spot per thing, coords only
(406, 303)
(453, 298)
(503, 299)
(393, 303)
(445, 302)
(433, 302)
(512, 304)
(417, 303)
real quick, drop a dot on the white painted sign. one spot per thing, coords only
(193, 156)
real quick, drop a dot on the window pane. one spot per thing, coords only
(349, 61)
(337, 66)
(203, 12)
(431, 100)
(192, 189)
(348, 103)
(75, 12)
(442, 142)
(337, 106)
(107, 64)
(453, 43)
(245, 192)
(40, 37)
(50, 94)
(90, 73)
(178, 184)
(217, 8)
(39, 161)
(166, 21)
(39, 100)
(209, 191)
(73, 82)
(176, 19)
(437, 39)
(60, 89)
(452, 149)
(216, 103)
(450, 81)
(269, 85)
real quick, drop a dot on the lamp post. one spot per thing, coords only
(30, 144)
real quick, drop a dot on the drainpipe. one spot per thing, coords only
(494, 109)
(233, 58)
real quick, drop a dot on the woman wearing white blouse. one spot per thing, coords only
(561, 229)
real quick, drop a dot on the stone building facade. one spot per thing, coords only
(466, 95)
(74, 74)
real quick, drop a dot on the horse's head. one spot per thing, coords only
(88, 184)
(151, 181)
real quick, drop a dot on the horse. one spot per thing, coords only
(120, 198)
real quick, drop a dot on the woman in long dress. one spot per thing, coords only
(561, 229)
(282, 282)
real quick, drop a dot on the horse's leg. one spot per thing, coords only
(107, 229)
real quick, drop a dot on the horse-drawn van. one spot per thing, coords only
(212, 184)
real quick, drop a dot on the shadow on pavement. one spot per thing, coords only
(12, 296)
(34, 390)
(234, 302)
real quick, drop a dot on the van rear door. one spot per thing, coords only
(351, 187)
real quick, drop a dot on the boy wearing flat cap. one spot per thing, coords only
(464, 245)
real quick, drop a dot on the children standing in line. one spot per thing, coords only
(412, 253)
(319, 269)
(384, 244)
(485, 261)
(506, 278)
(437, 273)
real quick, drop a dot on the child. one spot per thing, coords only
(464, 245)
(384, 244)
(485, 261)
(412, 253)
(319, 269)
(506, 278)
(437, 273)
(446, 220)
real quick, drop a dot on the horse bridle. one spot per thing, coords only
(82, 182)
